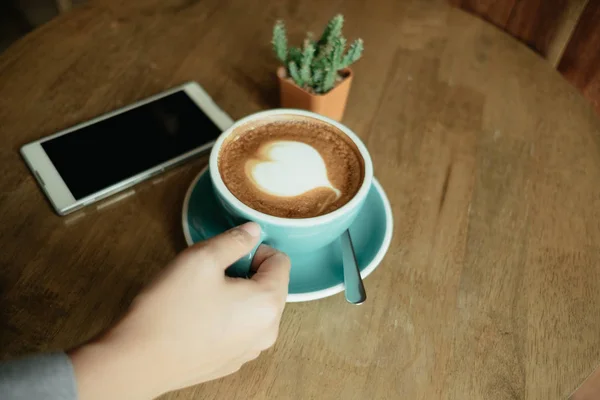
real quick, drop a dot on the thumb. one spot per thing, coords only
(228, 247)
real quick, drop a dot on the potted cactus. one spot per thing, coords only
(317, 76)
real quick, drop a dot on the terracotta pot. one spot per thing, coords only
(330, 104)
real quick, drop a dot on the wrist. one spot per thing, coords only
(112, 369)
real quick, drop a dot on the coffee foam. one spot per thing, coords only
(288, 168)
(291, 168)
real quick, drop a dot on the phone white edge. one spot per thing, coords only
(56, 190)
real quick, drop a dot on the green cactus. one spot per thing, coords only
(332, 31)
(295, 74)
(316, 66)
(306, 61)
(353, 54)
(280, 41)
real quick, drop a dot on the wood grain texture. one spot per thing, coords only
(566, 24)
(64, 5)
(491, 287)
(581, 61)
(545, 26)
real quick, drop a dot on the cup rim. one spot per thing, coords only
(281, 221)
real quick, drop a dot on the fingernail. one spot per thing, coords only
(252, 228)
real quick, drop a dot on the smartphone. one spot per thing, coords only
(93, 160)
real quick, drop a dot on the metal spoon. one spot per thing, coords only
(355, 290)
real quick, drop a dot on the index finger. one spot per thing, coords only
(273, 269)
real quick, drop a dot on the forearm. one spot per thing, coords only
(107, 370)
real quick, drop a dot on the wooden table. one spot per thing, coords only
(491, 287)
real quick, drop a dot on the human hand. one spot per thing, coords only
(193, 324)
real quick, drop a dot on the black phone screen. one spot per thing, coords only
(107, 152)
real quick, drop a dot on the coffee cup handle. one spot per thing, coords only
(241, 268)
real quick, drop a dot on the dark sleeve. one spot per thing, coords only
(47, 376)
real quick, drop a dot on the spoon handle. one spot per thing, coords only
(355, 290)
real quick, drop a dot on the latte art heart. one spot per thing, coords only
(288, 168)
(291, 168)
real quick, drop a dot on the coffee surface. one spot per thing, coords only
(291, 168)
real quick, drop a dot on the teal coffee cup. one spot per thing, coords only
(289, 235)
